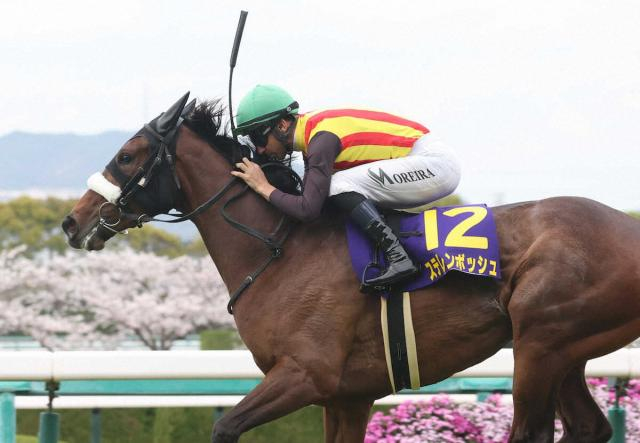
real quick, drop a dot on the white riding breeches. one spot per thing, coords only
(430, 171)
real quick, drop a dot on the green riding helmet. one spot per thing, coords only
(261, 105)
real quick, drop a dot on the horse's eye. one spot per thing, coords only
(124, 159)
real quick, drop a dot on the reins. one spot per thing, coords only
(274, 242)
(200, 209)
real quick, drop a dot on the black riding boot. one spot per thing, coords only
(399, 264)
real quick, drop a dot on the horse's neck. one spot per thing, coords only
(234, 253)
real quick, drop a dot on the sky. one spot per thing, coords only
(538, 99)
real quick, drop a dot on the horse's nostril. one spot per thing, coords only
(69, 226)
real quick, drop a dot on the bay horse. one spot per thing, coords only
(569, 292)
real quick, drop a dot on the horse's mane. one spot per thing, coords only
(206, 121)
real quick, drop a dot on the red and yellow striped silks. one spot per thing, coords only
(366, 136)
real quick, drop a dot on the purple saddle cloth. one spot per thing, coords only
(460, 238)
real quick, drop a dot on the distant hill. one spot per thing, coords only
(55, 161)
(41, 165)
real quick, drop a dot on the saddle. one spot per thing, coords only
(461, 238)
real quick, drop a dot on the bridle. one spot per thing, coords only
(162, 157)
(162, 160)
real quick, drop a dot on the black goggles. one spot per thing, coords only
(260, 135)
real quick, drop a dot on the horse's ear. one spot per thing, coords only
(189, 108)
(168, 119)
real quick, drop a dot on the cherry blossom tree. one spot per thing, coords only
(12, 267)
(95, 300)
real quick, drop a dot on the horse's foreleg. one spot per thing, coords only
(285, 388)
(582, 419)
(346, 421)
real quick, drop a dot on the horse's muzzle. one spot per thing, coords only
(70, 228)
(78, 239)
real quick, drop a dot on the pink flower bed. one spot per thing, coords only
(441, 420)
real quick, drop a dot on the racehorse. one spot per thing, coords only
(569, 292)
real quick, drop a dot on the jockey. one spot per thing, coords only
(356, 157)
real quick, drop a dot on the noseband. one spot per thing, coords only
(103, 220)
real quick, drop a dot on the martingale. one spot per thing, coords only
(461, 238)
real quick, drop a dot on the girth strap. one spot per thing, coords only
(399, 342)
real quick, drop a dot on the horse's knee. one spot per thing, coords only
(223, 433)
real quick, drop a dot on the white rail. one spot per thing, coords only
(113, 365)
(191, 401)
